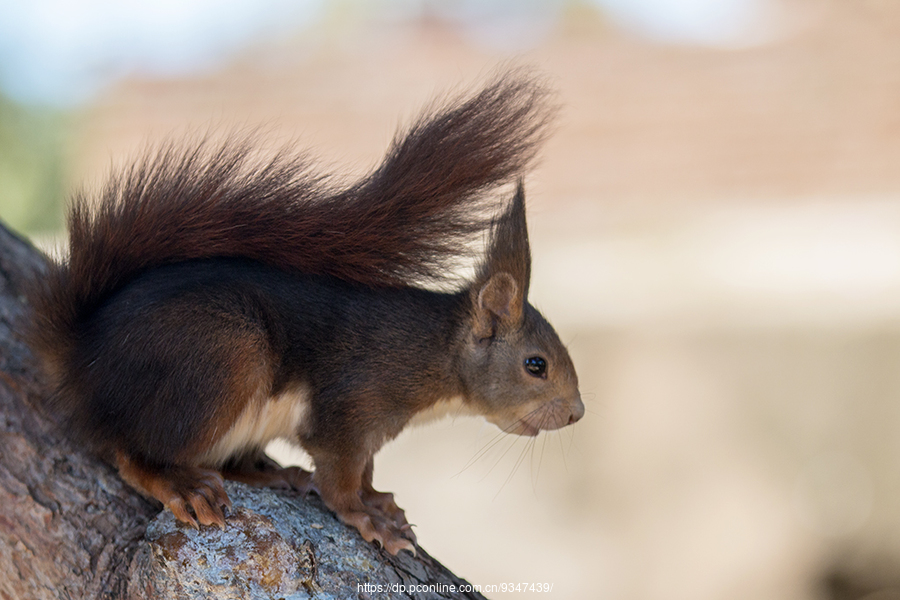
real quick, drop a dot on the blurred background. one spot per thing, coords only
(716, 231)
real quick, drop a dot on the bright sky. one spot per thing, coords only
(61, 52)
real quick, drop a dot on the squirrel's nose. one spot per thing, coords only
(577, 411)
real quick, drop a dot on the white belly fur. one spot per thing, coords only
(260, 423)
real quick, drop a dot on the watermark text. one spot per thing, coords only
(451, 588)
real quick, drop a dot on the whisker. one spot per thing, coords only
(536, 476)
(508, 448)
(541, 459)
(571, 440)
(562, 450)
(512, 472)
(499, 437)
(493, 442)
(484, 450)
(531, 467)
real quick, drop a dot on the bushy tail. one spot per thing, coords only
(400, 224)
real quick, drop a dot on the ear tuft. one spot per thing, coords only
(509, 251)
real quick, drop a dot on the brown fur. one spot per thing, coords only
(210, 303)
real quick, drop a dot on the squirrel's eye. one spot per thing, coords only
(536, 366)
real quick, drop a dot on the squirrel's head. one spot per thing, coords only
(516, 371)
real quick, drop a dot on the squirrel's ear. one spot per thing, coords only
(498, 305)
(509, 251)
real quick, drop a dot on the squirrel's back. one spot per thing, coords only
(399, 225)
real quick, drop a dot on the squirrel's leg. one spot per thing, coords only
(339, 481)
(384, 501)
(260, 470)
(179, 488)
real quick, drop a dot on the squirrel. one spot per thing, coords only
(212, 301)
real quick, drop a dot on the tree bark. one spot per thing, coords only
(70, 528)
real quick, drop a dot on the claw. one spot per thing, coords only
(179, 509)
(409, 533)
(401, 544)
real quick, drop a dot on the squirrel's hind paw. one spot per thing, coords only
(268, 473)
(384, 503)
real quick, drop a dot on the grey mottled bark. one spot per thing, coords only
(69, 527)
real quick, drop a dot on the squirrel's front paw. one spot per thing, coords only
(204, 492)
(181, 489)
(374, 525)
